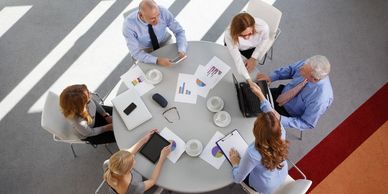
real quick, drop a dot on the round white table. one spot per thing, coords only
(188, 174)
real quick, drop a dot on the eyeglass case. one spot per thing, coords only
(160, 100)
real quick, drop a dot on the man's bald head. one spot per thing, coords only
(149, 12)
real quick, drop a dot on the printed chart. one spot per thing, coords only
(177, 144)
(212, 154)
(135, 78)
(186, 90)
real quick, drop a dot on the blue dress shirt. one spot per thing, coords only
(309, 104)
(137, 37)
(260, 178)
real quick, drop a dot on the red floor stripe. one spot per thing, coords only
(344, 139)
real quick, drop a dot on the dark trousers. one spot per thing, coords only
(246, 53)
(103, 138)
(246, 181)
(275, 94)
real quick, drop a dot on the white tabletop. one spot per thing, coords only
(190, 175)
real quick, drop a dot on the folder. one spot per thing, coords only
(232, 140)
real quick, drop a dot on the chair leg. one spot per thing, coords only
(72, 149)
(300, 136)
(159, 190)
(265, 57)
(271, 53)
(107, 148)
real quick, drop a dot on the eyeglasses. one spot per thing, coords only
(171, 115)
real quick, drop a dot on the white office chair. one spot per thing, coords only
(54, 122)
(290, 186)
(272, 16)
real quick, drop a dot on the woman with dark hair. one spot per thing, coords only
(246, 36)
(263, 166)
(91, 121)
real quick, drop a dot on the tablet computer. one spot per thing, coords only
(151, 149)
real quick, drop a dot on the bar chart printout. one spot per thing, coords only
(186, 90)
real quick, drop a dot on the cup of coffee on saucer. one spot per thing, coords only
(215, 104)
(193, 147)
(222, 119)
(154, 76)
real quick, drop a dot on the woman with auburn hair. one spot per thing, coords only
(246, 36)
(91, 121)
(263, 166)
(120, 175)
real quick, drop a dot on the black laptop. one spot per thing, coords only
(248, 102)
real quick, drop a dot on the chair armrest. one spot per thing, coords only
(300, 172)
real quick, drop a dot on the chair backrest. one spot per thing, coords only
(267, 12)
(299, 186)
(54, 121)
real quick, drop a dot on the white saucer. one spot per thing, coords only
(154, 80)
(193, 152)
(225, 123)
(211, 108)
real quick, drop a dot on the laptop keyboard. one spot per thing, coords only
(251, 100)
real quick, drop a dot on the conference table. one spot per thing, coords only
(188, 174)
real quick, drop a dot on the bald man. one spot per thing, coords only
(145, 30)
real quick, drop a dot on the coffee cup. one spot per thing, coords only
(222, 119)
(154, 76)
(215, 104)
(193, 147)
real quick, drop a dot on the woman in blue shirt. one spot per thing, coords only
(263, 166)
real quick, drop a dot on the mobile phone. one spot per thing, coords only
(130, 108)
(177, 59)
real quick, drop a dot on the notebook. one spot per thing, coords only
(137, 115)
(248, 102)
(232, 140)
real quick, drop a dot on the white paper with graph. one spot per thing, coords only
(177, 144)
(186, 91)
(135, 78)
(212, 154)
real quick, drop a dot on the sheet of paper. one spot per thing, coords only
(202, 88)
(178, 145)
(135, 78)
(186, 91)
(215, 70)
(212, 153)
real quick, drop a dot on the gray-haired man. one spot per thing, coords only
(307, 96)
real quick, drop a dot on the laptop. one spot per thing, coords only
(248, 102)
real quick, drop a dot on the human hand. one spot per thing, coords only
(109, 127)
(108, 119)
(165, 152)
(250, 64)
(262, 76)
(164, 62)
(181, 54)
(148, 135)
(255, 88)
(234, 157)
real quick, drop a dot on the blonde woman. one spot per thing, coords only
(120, 175)
(246, 36)
(263, 166)
(91, 121)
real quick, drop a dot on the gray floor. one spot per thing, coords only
(352, 34)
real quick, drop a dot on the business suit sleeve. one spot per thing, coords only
(133, 45)
(247, 164)
(177, 29)
(285, 72)
(85, 130)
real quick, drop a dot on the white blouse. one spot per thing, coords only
(257, 40)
